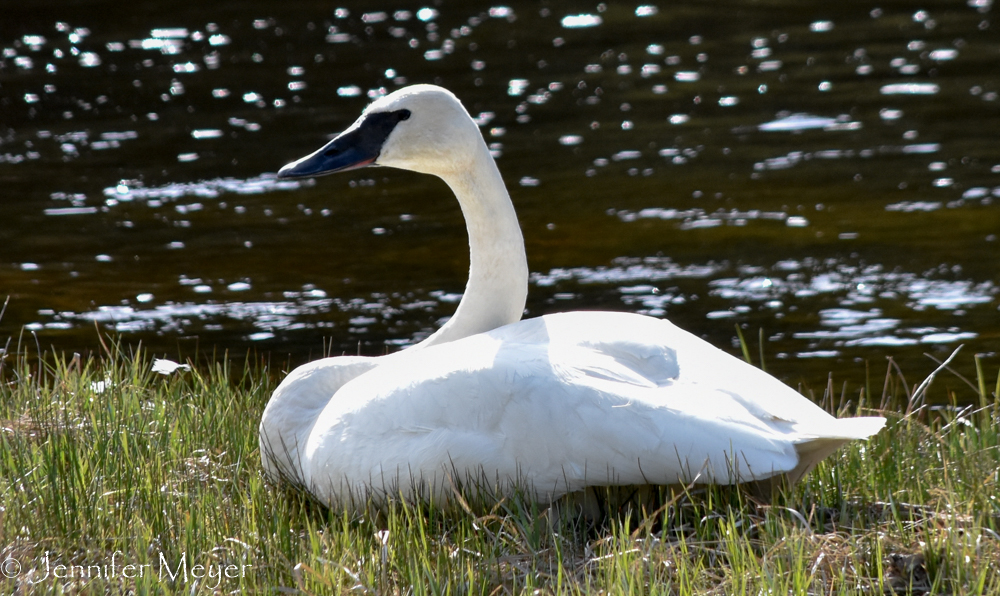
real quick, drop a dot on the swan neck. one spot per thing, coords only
(498, 267)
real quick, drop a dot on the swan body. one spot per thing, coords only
(550, 405)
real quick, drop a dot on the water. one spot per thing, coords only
(826, 176)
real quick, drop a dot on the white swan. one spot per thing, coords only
(552, 404)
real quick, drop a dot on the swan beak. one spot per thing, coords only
(356, 147)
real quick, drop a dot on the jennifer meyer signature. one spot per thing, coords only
(210, 574)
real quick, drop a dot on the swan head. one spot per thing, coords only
(423, 128)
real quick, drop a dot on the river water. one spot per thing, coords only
(822, 175)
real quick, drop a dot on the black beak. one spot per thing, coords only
(356, 147)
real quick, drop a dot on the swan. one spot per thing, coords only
(550, 405)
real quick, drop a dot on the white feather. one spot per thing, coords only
(552, 404)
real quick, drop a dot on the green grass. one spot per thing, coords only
(103, 459)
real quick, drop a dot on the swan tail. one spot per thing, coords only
(855, 428)
(814, 449)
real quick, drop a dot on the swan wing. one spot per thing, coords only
(555, 404)
(294, 407)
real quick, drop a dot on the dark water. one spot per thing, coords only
(828, 173)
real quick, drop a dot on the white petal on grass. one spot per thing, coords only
(168, 367)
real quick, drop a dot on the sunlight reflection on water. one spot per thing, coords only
(795, 171)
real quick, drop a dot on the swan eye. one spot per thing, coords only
(404, 114)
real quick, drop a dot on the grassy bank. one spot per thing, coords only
(117, 479)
